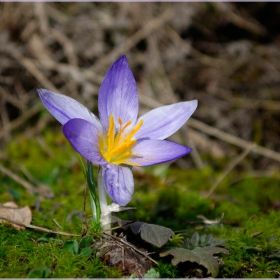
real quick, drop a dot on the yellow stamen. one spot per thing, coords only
(111, 133)
(116, 147)
(127, 124)
(118, 136)
(120, 121)
(123, 146)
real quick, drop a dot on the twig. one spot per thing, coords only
(195, 154)
(42, 17)
(30, 67)
(80, 75)
(229, 169)
(162, 82)
(148, 28)
(36, 129)
(67, 45)
(233, 139)
(187, 48)
(150, 102)
(37, 228)
(252, 103)
(11, 99)
(117, 227)
(23, 117)
(239, 21)
(55, 221)
(44, 146)
(5, 119)
(36, 182)
(132, 247)
(85, 226)
(44, 191)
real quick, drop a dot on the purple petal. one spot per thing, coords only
(65, 108)
(118, 94)
(150, 152)
(162, 122)
(83, 136)
(118, 181)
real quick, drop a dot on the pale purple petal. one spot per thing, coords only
(83, 136)
(150, 152)
(118, 181)
(118, 94)
(65, 108)
(162, 122)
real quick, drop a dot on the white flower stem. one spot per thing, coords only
(105, 214)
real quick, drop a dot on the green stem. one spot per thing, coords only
(82, 165)
(94, 203)
(93, 208)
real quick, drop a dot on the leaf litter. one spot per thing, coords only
(12, 211)
(202, 253)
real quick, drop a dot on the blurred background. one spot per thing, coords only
(226, 55)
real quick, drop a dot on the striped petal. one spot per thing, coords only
(65, 108)
(118, 181)
(83, 136)
(118, 94)
(162, 122)
(151, 152)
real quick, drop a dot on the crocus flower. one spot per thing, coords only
(119, 140)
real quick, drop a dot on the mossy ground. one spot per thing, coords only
(165, 196)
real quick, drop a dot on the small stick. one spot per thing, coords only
(23, 117)
(232, 139)
(146, 30)
(195, 154)
(132, 247)
(42, 190)
(84, 230)
(55, 221)
(37, 228)
(229, 169)
(117, 227)
(207, 129)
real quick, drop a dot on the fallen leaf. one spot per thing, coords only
(124, 258)
(20, 214)
(201, 255)
(153, 234)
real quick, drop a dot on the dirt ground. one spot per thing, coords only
(223, 54)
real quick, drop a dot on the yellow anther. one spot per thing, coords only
(123, 146)
(135, 129)
(111, 133)
(120, 121)
(116, 147)
(127, 124)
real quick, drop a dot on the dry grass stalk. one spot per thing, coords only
(174, 55)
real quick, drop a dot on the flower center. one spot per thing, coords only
(115, 147)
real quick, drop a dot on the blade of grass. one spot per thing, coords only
(82, 164)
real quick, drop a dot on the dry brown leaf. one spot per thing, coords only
(123, 257)
(20, 214)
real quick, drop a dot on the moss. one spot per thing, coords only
(23, 247)
(251, 247)
(163, 195)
